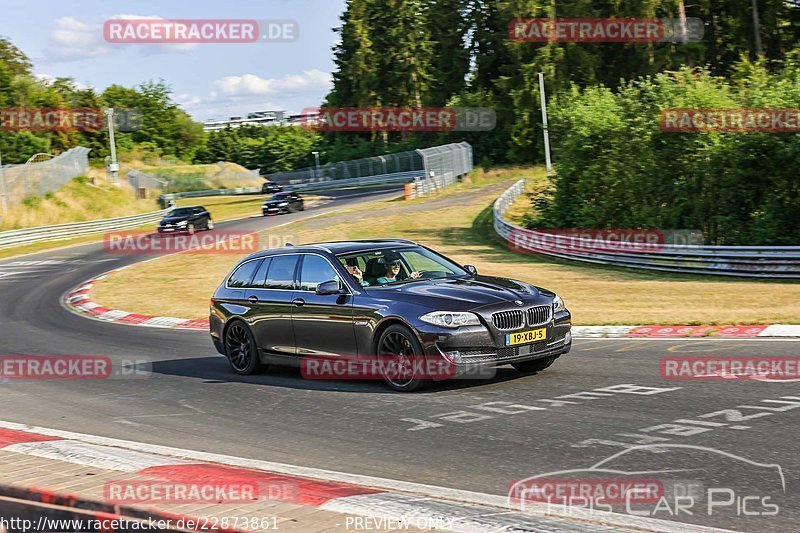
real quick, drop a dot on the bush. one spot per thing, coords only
(618, 169)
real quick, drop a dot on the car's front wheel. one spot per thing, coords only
(241, 349)
(400, 352)
(190, 229)
(537, 365)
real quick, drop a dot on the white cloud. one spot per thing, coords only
(158, 48)
(252, 85)
(74, 40)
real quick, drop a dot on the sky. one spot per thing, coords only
(209, 81)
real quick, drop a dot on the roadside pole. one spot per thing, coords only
(316, 165)
(544, 126)
(3, 186)
(113, 166)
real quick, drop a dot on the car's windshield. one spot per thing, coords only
(182, 212)
(281, 196)
(401, 265)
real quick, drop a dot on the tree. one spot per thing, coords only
(13, 58)
(448, 27)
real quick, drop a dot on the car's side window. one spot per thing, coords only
(241, 276)
(260, 279)
(316, 269)
(281, 272)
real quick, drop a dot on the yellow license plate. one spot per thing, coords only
(525, 337)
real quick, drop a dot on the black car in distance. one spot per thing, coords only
(390, 299)
(271, 187)
(186, 219)
(283, 202)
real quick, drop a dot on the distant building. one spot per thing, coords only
(262, 118)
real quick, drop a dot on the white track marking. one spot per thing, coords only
(417, 492)
(81, 453)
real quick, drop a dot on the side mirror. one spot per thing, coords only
(328, 287)
(471, 269)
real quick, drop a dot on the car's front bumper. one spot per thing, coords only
(275, 210)
(477, 347)
(173, 229)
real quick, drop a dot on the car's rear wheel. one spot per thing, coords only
(399, 350)
(210, 224)
(241, 349)
(302, 206)
(537, 365)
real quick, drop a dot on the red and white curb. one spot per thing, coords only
(80, 300)
(397, 501)
(727, 332)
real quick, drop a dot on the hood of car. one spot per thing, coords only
(467, 293)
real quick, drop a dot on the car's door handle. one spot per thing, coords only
(299, 302)
(252, 299)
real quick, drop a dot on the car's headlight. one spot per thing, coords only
(558, 304)
(282, 204)
(447, 319)
(183, 223)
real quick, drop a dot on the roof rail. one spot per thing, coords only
(386, 240)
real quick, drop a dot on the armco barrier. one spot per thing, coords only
(382, 179)
(19, 237)
(742, 261)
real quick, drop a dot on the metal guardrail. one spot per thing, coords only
(448, 158)
(384, 179)
(741, 261)
(19, 237)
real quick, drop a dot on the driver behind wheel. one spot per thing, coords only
(392, 271)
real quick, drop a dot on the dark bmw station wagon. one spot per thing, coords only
(382, 298)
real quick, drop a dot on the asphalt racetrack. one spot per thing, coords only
(597, 403)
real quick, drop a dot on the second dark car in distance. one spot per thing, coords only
(283, 202)
(391, 299)
(186, 219)
(271, 187)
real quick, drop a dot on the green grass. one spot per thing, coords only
(459, 224)
(221, 207)
(78, 201)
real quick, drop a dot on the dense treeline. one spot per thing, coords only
(164, 128)
(618, 169)
(458, 52)
(615, 167)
